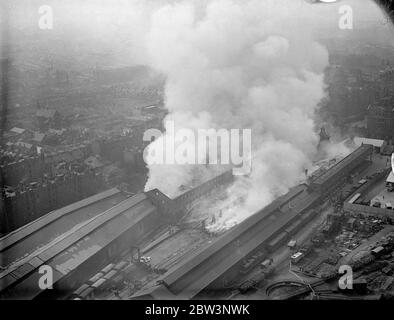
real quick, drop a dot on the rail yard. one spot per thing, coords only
(149, 246)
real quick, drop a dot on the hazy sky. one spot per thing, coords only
(119, 26)
(24, 12)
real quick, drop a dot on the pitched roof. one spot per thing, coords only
(38, 137)
(24, 144)
(390, 177)
(46, 113)
(17, 130)
(375, 142)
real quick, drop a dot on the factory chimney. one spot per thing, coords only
(323, 136)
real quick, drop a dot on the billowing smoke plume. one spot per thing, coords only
(241, 64)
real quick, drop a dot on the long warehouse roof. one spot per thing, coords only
(359, 152)
(195, 273)
(38, 233)
(175, 276)
(70, 249)
(185, 281)
(66, 254)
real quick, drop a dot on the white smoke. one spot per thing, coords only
(241, 64)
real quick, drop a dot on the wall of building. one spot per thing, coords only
(33, 168)
(368, 210)
(112, 149)
(164, 203)
(34, 200)
(340, 172)
(380, 119)
(36, 194)
(173, 209)
(189, 196)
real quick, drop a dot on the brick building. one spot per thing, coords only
(380, 119)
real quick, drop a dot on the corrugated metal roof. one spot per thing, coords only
(37, 224)
(89, 227)
(22, 270)
(203, 253)
(69, 259)
(28, 241)
(214, 255)
(359, 152)
(78, 246)
(375, 142)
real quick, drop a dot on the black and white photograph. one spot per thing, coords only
(200, 150)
